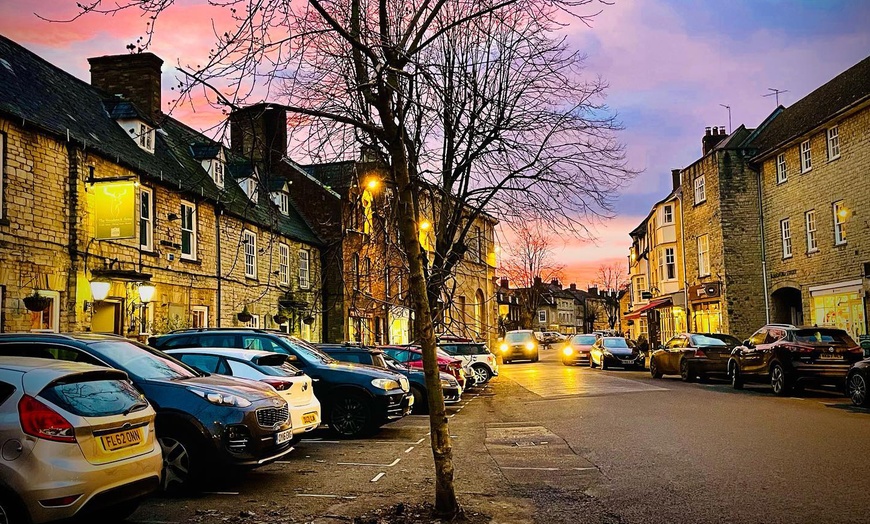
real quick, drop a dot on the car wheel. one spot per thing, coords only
(482, 374)
(11, 511)
(420, 404)
(603, 363)
(856, 386)
(535, 358)
(591, 362)
(779, 381)
(685, 372)
(350, 416)
(736, 378)
(654, 369)
(181, 467)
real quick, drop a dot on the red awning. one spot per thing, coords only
(642, 310)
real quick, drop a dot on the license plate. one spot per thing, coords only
(829, 356)
(309, 418)
(283, 436)
(121, 439)
(627, 361)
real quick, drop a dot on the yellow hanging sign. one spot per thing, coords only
(115, 210)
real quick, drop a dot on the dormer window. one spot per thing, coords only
(282, 200)
(249, 185)
(146, 137)
(218, 172)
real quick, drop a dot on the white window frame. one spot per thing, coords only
(283, 264)
(254, 322)
(640, 285)
(249, 248)
(806, 157)
(53, 311)
(145, 137)
(190, 229)
(146, 223)
(810, 221)
(668, 214)
(199, 311)
(542, 316)
(670, 263)
(839, 224)
(305, 269)
(218, 172)
(251, 189)
(703, 255)
(833, 141)
(785, 232)
(700, 185)
(282, 200)
(781, 169)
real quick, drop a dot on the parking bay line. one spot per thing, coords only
(378, 477)
(409, 449)
(393, 463)
(546, 469)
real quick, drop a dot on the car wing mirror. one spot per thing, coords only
(747, 343)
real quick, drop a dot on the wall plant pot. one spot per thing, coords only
(308, 320)
(244, 315)
(36, 302)
(280, 319)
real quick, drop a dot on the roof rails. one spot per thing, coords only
(774, 324)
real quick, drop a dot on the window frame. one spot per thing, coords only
(704, 256)
(811, 228)
(833, 142)
(785, 238)
(304, 283)
(192, 230)
(700, 188)
(218, 172)
(145, 190)
(806, 157)
(197, 310)
(839, 225)
(542, 316)
(670, 267)
(283, 264)
(668, 214)
(249, 248)
(640, 289)
(145, 140)
(781, 169)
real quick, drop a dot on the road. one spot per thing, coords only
(547, 443)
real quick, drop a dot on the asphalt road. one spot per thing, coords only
(547, 443)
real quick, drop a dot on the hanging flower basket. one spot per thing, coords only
(308, 320)
(37, 302)
(244, 315)
(280, 318)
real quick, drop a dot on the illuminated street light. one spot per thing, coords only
(372, 184)
(100, 289)
(425, 225)
(146, 292)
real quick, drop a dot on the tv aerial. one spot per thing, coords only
(776, 93)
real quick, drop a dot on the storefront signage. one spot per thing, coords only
(115, 210)
(780, 274)
(704, 291)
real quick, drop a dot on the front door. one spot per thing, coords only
(107, 317)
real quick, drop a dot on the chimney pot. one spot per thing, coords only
(707, 131)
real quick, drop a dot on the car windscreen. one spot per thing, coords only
(93, 397)
(831, 337)
(705, 341)
(583, 340)
(143, 362)
(513, 337)
(727, 339)
(306, 351)
(615, 343)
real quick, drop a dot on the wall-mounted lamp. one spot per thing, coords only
(100, 288)
(146, 292)
(171, 217)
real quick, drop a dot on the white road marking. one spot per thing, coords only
(379, 476)
(421, 440)
(318, 441)
(393, 463)
(409, 449)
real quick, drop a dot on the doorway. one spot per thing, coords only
(107, 317)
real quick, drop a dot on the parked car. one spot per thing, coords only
(615, 351)
(476, 358)
(520, 344)
(203, 421)
(356, 400)
(693, 355)
(578, 349)
(856, 383)
(413, 357)
(77, 440)
(786, 356)
(272, 368)
(546, 338)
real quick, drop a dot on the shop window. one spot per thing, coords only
(844, 310)
(707, 317)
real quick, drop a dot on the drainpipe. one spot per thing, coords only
(685, 276)
(763, 251)
(218, 211)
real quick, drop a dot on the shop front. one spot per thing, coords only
(839, 305)
(706, 308)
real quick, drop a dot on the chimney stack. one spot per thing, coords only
(136, 77)
(505, 283)
(556, 283)
(537, 282)
(675, 178)
(259, 132)
(573, 287)
(712, 136)
(593, 290)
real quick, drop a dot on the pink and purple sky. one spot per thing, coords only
(669, 63)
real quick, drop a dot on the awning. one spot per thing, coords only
(643, 309)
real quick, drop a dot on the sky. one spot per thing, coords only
(671, 66)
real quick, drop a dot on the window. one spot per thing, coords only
(49, 318)
(146, 218)
(368, 273)
(781, 169)
(199, 317)
(304, 259)
(218, 168)
(250, 187)
(249, 242)
(542, 316)
(146, 137)
(840, 216)
(812, 245)
(253, 323)
(668, 215)
(188, 230)
(354, 270)
(2, 174)
(640, 288)
(282, 200)
(806, 157)
(670, 263)
(833, 143)
(785, 229)
(700, 189)
(703, 255)
(283, 264)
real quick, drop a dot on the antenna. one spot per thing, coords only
(729, 116)
(776, 93)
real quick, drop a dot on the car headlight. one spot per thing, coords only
(445, 383)
(567, 351)
(221, 399)
(403, 381)
(503, 348)
(530, 346)
(386, 384)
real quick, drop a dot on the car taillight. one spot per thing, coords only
(797, 349)
(40, 421)
(278, 384)
(699, 353)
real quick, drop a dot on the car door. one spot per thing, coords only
(595, 353)
(767, 348)
(751, 358)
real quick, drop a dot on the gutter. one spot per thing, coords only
(763, 250)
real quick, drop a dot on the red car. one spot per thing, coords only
(413, 357)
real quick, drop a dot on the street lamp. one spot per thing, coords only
(100, 289)
(425, 225)
(146, 292)
(372, 184)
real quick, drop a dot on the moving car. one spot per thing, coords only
(272, 368)
(786, 356)
(520, 344)
(476, 359)
(356, 400)
(77, 440)
(549, 337)
(856, 383)
(413, 357)
(615, 351)
(578, 349)
(204, 422)
(693, 355)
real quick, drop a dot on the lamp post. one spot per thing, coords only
(146, 294)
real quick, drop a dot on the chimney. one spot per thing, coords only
(573, 287)
(537, 282)
(556, 283)
(505, 283)
(712, 136)
(675, 178)
(136, 77)
(593, 290)
(259, 132)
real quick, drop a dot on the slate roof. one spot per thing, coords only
(846, 89)
(337, 176)
(40, 94)
(205, 151)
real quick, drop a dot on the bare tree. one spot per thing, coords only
(473, 106)
(530, 257)
(613, 281)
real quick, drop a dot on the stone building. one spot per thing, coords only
(509, 308)
(813, 160)
(102, 193)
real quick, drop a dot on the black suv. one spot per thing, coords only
(203, 421)
(356, 400)
(787, 356)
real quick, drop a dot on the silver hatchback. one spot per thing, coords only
(75, 439)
